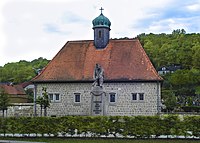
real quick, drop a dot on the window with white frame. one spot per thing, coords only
(51, 96)
(141, 96)
(77, 97)
(134, 96)
(57, 97)
(54, 97)
(112, 97)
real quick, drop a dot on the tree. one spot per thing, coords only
(46, 100)
(4, 101)
(169, 100)
(196, 56)
(30, 94)
(21, 71)
(43, 101)
(39, 101)
(178, 32)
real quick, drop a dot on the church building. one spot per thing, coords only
(100, 77)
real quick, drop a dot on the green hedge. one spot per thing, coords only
(138, 126)
(191, 108)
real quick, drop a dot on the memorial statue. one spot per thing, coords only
(98, 75)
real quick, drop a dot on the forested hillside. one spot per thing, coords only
(182, 86)
(178, 47)
(21, 71)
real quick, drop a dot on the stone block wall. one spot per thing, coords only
(19, 110)
(123, 106)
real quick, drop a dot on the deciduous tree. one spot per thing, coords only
(4, 101)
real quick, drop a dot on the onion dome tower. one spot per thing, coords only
(101, 27)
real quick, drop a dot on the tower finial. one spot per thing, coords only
(101, 10)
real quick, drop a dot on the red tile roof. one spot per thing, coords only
(13, 89)
(25, 84)
(122, 60)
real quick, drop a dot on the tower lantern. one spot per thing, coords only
(101, 27)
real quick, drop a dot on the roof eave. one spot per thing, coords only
(91, 81)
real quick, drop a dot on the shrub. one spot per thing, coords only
(138, 126)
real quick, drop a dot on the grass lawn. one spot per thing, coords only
(70, 140)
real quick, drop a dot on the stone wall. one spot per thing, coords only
(124, 105)
(19, 109)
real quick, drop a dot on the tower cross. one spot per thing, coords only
(101, 10)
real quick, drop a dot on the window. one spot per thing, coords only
(51, 97)
(141, 96)
(99, 34)
(57, 96)
(54, 97)
(134, 96)
(77, 97)
(112, 97)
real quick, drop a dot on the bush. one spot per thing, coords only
(138, 126)
(192, 124)
(191, 108)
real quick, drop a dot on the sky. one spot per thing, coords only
(30, 29)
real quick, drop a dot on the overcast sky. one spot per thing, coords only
(30, 29)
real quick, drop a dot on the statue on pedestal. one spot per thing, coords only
(98, 76)
(98, 93)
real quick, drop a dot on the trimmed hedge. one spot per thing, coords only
(137, 127)
(191, 108)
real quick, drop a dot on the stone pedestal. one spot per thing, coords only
(98, 103)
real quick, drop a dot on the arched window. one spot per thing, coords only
(99, 34)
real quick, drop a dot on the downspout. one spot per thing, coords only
(35, 97)
(158, 99)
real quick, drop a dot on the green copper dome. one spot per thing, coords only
(101, 21)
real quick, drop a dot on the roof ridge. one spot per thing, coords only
(130, 39)
(74, 41)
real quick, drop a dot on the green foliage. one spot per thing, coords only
(191, 108)
(169, 100)
(4, 100)
(30, 94)
(176, 48)
(192, 126)
(21, 71)
(137, 127)
(13, 126)
(197, 90)
(46, 101)
(40, 101)
(168, 49)
(102, 140)
(43, 101)
(171, 125)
